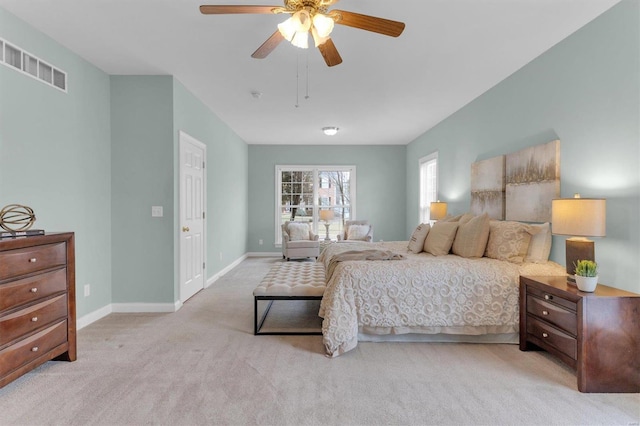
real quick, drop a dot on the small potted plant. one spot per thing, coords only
(586, 275)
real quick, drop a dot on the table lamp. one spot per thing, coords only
(578, 218)
(326, 215)
(437, 210)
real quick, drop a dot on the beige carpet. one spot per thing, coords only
(202, 365)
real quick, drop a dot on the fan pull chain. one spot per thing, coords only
(307, 95)
(297, 81)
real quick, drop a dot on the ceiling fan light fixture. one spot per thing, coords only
(330, 130)
(287, 29)
(301, 40)
(317, 39)
(323, 24)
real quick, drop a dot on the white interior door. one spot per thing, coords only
(192, 215)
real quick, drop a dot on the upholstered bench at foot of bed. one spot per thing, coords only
(289, 281)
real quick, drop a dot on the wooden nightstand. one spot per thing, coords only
(598, 334)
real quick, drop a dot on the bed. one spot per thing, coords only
(418, 296)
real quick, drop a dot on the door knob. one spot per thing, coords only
(185, 229)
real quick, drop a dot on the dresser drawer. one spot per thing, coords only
(563, 318)
(19, 323)
(30, 289)
(552, 298)
(29, 349)
(31, 259)
(549, 335)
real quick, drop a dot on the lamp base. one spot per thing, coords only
(327, 225)
(578, 249)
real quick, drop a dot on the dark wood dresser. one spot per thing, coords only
(597, 334)
(37, 302)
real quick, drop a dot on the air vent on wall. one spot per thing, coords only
(19, 60)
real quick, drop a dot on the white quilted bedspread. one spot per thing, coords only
(419, 294)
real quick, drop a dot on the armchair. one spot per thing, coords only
(363, 231)
(299, 241)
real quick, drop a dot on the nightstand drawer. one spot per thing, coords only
(563, 318)
(30, 289)
(552, 336)
(549, 297)
(19, 323)
(31, 259)
(32, 347)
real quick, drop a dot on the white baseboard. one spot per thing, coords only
(145, 307)
(220, 274)
(264, 254)
(92, 317)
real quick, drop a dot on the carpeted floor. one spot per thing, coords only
(203, 365)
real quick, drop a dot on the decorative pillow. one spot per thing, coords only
(472, 236)
(540, 245)
(508, 240)
(440, 238)
(298, 231)
(416, 243)
(357, 232)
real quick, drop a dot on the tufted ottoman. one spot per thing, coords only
(289, 281)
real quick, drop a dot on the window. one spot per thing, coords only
(302, 191)
(428, 184)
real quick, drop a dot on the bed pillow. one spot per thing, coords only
(508, 240)
(298, 231)
(416, 243)
(440, 238)
(540, 245)
(472, 236)
(357, 232)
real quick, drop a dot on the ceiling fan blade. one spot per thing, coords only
(229, 9)
(330, 53)
(369, 23)
(268, 46)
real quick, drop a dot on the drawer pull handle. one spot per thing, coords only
(545, 335)
(548, 297)
(545, 312)
(34, 290)
(34, 349)
(34, 319)
(33, 260)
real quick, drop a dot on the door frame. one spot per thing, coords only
(184, 137)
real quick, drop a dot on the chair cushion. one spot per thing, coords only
(303, 244)
(357, 232)
(298, 231)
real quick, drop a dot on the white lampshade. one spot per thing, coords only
(579, 217)
(323, 24)
(437, 210)
(301, 40)
(287, 29)
(317, 39)
(326, 215)
(296, 29)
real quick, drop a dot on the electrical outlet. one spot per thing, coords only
(260, 242)
(157, 211)
(220, 255)
(87, 290)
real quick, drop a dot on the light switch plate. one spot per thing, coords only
(156, 211)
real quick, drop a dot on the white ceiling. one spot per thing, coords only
(387, 90)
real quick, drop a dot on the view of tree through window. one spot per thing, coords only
(302, 191)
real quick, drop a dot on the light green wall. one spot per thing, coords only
(54, 154)
(142, 174)
(585, 92)
(380, 197)
(227, 180)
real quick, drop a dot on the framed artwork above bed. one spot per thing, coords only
(517, 186)
(488, 186)
(532, 181)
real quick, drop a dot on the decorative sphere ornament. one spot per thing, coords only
(16, 217)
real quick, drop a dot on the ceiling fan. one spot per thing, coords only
(309, 16)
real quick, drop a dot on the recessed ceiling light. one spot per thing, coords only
(330, 131)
